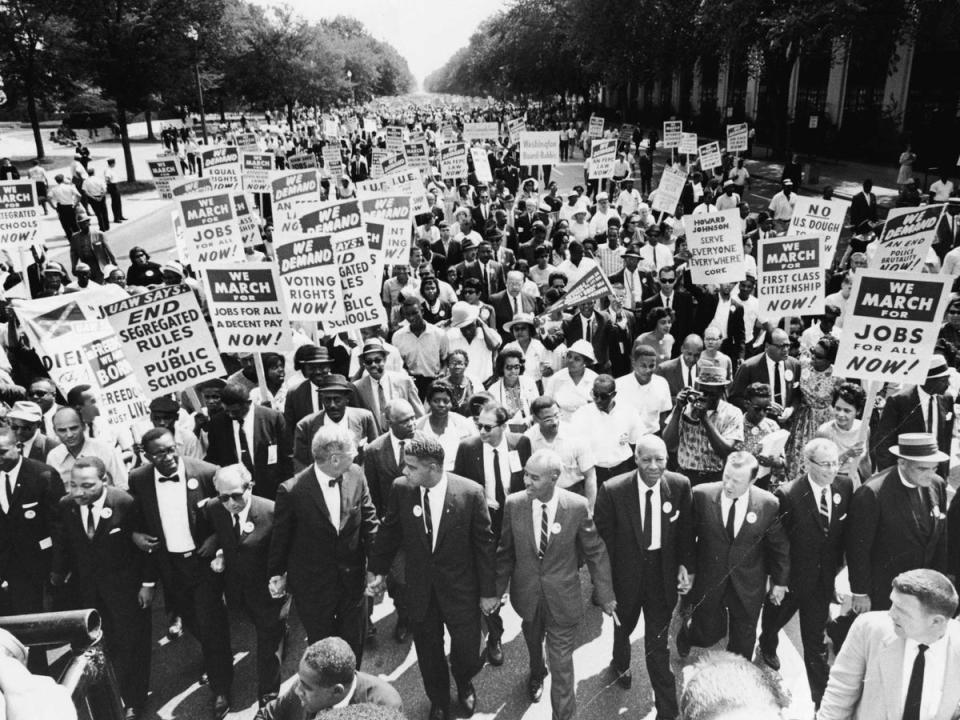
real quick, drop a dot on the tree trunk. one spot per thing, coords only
(125, 142)
(34, 122)
(149, 120)
(290, 114)
(223, 114)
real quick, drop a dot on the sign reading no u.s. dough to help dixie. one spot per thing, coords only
(246, 308)
(890, 325)
(212, 231)
(716, 247)
(791, 276)
(905, 242)
(308, 277)
(815, 216)
(222, 166)
(166, 339)
(540, 148)
(19, 214)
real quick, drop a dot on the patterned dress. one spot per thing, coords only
(816, 390)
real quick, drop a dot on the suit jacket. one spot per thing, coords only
(503, 309)
(755, 370)
(902, 414)
(359, 420)
(269, 429)
(469, 464)
(953, 539)
(554, 580)
(673, 372)
(603, 337)
(28, 530)
(395, 385)
(381, 469)
(684, 309)
(619, 522)
(459, 569)
(621, 343)
(109, 568)
(496, 279)
(318, 558)
(759, 549)
(734, 336)
(866, 680)
(42, 444)
(862, 208)
(453, 253)
(370, 690)
(299, 403)
(524, 225)
(479, 221)
(815, 557)
(885, 539)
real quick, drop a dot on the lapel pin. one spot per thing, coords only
(836, 498)
(106, 513)
(417, 511)
(751, 517)
(555, 528)
(29, 514)
(248, 527)
(192, 484)
(667, 507)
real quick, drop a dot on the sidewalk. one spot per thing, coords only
(846, 177)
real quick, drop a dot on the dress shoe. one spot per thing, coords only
(132, 713)
(266, 700)
(438, 713)
(468, 698)
(495, 653)
(771, 659)
(176, 628)
(221, 706)
(683, 642)
(535, 688)
(624, 678)
(401, 632)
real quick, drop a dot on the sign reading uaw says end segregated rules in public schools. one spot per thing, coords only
(890, 325)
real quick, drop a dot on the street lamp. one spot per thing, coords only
(194, 35)
(350, 83)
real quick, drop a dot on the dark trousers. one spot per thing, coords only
(494, 625)
(116, 203)
(126, 633)
(270, 623)
(196, 595)
(24, 596)
(464, 651)
(100, 210)
(335, 612)
(68, 219)
(604, 474)
(710, 623)
(657, 612)
(698, 477)
(645, 184)
(814, 606)
(560, 641)
(423, 384)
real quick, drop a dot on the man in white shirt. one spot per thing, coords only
(728, 199)
(628, 201)
(943, 189)
(654, 253)
(550, 433)
(781, 205)
(612, 428)
(96, 191)
(648, 394)
(70, 432)
(599, 221)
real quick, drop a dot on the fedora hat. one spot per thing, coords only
(373, 346)
(316, 355)
(334, 384)
(26, 411)
(919, 447)
(938, 367)
(711, 376)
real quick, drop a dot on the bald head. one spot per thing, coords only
(69, 428)
(400, 417)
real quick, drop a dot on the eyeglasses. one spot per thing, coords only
(828, 464)
(668, 281)
(780, 345)
(486, 428)
(236, 497)
(372, 359)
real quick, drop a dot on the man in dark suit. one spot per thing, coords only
(644, 518)
(327, 677)
(451, 249)
(335, 393)
(324, 525)
(909, 411)
(593, 327)
(29, 522)
(739, 542)
(680, 301)
(494, 459)
(527, 220)
(441, 521)
(243, 526)
(24, 419)
(898, 522)
(681, 371)
(813, 512)
(107, 572)
(863, 205)
(304, 399)
(729, 321)
(170, 493)
(378, 385)
(775, 368)
(252, 435)
(511, 301)
(483, 213)
(546, 532)
(492, 275)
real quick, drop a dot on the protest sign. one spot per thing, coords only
(481, 164)
(603, 154)
(890, 325)
(688, 144)
(394, 162)
(164, 171)
(393, 211)
(453, 161)
(596, 127)
(710, 156)
(293, 193)
(332, 160)
(309, 281)
(246, 220)
(377, 157)
(815, 216)
(906, 239)
(19, 214)
(516, 126)
(331, 128)
(540, 148)
(222, 166)
(408, 182)
(417, 155)
(361, 298)
(245, 307)
(369, 124)
(77, 346)
(302, 161)
(394, 135)
(447, 135)
(481, 131)
(592, 286)
(672, 130)
(790, 276)
(191, 186)
(716, 247)
(626, 133)
(737, 138)
(212, 230)
(166, 339)
(668, 191)
(255, 168)
(247, 142)
(368, 188)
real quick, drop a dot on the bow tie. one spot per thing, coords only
(336, 481)
(172, 478)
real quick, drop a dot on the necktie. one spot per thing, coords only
(382, 400)
(825, 510)
(653, 251)
(245, 456)
(497, 481)
(931, 409)
(403, 444)
(731, 528)
(911, 708)
(590, 330)
(689, 380)
(486, 280)
(544, 531)
(91, 526)
(236, 527)
(171, 478)
(90, 429)
(427, 517)
(648, 519)
(43, 425)
(10, 486)
(516, 305)
(777, 393)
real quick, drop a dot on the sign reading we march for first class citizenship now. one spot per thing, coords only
(790, 276)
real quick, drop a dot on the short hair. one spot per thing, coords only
(506, 354)
(425, 447)
(664, 269)
(816, 445)
(75, 394)
(657, 314)
(551, 459)
(459, 353)
(830, 346)
(478, 400)
(501, 413)
(722, 682)
(541, 403)
(557, 275)
(154, 434)
(852, 394)
(641, 349)
(332, 660)
(743, 459)
(94, 462)
(234, 394)
(756, 390)
(933, 590)
(472, 283)
(329, 437)
(238, 469)
(272, 359)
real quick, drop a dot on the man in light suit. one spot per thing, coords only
(902, 664)
(324, 526)
(775, 368)
(252, 435)
(546, 530)
(24, 419)
(739, 542)
(335, 393)
(681, 372)
(649, 562)
(378, 386)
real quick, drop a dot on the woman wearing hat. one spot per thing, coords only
(538, 361)
(142, 270)
(572, 386)
(468, 333)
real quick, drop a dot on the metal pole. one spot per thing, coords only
(203, 117)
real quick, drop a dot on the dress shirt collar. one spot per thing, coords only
(322, 477)
(817, 491)
(15, 473)
(438, 490)
(181, 471)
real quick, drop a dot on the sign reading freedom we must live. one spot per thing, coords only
(791, 276)
(716, 247)
(245, 307)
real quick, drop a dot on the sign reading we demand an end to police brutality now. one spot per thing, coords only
(906, 239)
(890, 325)
(716, 247)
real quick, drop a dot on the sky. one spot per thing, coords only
(425, 32)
